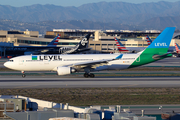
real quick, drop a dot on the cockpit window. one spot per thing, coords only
(11, 60)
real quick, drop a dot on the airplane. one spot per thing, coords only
(67, 64)
(177, 48)
(149, 41)
(80, 47)
(51, 48)
(27, 50)
(122, 48)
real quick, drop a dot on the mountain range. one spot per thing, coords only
(102, 15)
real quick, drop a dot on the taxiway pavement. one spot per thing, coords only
(79, 82)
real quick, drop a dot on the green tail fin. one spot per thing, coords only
(159, 46)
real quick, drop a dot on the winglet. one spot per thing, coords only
(120, 56)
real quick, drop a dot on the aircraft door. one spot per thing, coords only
(21, 61)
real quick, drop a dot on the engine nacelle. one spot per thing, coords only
(65, 70)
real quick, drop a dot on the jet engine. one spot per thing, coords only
(65, 70)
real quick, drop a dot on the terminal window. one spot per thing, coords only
(128, 44)
(145, 44)
(72, 43)
(134, 44)
(110, 44)
(2, 36)
(104, 48)
(65, 43)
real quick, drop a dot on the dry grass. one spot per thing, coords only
(101, 96)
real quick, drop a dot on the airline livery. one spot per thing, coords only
(149, 41)
(120, 46)
(67, 64)
(177, 48)
(80, 47)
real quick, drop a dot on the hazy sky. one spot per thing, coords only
(19, 3)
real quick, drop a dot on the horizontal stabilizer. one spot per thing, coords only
(156, 57)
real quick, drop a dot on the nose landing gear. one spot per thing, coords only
(23, 74)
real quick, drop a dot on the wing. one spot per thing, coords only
(94, 63)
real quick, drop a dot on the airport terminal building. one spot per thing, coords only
(99, 42)
(103, 41)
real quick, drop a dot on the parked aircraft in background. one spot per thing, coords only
(177, 47)
(122, 48)
(40, 49)
(67, 64)
(21, 50)
(149, 41)
(51, 48)
(80, 47)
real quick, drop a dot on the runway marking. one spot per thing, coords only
(129, 85)
(17, 79)
(27, 86)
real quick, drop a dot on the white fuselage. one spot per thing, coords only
(51, 62)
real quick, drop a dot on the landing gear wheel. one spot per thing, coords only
(91, 75)
(23, 75)
(86, 75)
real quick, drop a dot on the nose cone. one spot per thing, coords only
(6, 64)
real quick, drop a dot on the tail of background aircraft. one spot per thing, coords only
(177, 48)
(54, 42)
(157, 50)
(81, 46)
(149, 41)
(84, 42)
(120, 46)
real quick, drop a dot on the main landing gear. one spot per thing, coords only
(23, 74)
(91, 75)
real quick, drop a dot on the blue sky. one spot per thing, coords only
(19, 3)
